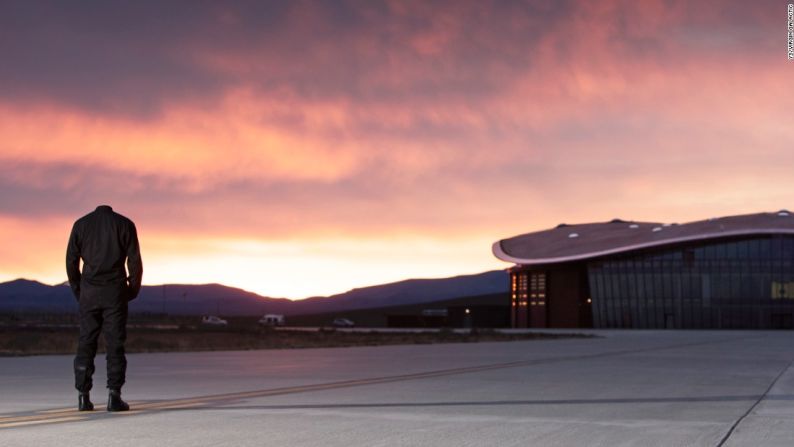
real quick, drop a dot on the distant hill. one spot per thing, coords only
(25, 296)
(22, 295)
(378, 316)
(410, 291)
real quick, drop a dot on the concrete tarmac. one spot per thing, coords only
(624, 388)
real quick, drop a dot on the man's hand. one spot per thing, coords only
(130, 291)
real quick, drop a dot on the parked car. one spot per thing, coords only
(343, 322)
(212, 320)
(272, 320)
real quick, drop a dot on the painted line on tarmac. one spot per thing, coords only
(59, 410)
(57, 415)
(41, 421)
(32, 417)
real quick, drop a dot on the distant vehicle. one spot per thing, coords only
(343, 322)
(272, 320)
(212, 320)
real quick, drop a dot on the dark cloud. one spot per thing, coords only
(122, 57)
(134, 57)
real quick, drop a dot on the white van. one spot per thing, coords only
(272, 320)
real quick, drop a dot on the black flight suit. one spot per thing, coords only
(104, 240)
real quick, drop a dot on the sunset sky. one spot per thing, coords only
(305, 148)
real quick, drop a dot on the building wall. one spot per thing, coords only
(550, 297)
(478, 316)
(565, 290)
(731, 284)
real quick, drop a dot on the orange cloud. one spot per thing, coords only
(202, 147)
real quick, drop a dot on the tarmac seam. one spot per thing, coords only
(750, 410)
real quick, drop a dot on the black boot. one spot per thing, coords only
(84, 402)
(115, 403)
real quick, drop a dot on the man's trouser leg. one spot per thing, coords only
(90, 325)
(115, 328)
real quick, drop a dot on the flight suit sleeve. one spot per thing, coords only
(134, 263)
(73, 262)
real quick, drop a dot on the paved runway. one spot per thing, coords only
(643, 388)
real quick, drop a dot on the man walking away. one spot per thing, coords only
(104, 240)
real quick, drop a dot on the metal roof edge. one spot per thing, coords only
(499, 252)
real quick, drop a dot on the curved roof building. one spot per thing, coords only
(728, 272)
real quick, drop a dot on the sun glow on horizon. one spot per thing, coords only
(301, 269)
(296, 269)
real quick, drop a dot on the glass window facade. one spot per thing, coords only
(739, 284)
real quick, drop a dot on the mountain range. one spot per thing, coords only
(26, 296)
